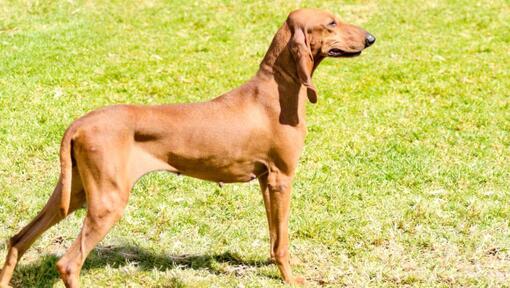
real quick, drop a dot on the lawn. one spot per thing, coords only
(404, 181)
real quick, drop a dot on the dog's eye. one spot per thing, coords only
(332, 24)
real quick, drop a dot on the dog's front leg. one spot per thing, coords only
(279, 190)
(267, 204)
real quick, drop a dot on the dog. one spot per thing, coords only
(255, 131)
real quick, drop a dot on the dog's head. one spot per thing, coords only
(316, 34)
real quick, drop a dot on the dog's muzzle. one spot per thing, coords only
(369, 40)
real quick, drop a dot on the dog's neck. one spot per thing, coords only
(279, 66)
(278, 58)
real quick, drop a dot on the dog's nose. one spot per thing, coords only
(369, 40)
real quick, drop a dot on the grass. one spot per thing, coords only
(404, 180)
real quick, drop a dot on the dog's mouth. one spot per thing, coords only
(335, 52)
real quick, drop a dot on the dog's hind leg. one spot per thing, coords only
(47, 217)
(99, 220)
(107, 190)
(104, 210)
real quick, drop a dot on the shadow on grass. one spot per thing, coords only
(43, 273)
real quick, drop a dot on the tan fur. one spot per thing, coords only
(255, 131)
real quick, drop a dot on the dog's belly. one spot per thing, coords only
(224, 170)
(213, 142)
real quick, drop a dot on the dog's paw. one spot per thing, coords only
(297, 281)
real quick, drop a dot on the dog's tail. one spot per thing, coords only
(66, 170)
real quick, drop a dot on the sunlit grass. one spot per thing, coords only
(404, 179)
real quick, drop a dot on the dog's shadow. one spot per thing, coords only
(44, 272)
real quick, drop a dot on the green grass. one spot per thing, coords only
(404, 180)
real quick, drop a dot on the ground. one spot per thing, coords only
(404, 180)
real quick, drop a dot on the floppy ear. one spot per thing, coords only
(304, 61)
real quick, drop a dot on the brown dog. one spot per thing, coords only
(255, 131)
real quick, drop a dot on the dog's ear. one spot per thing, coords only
(302, 54)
